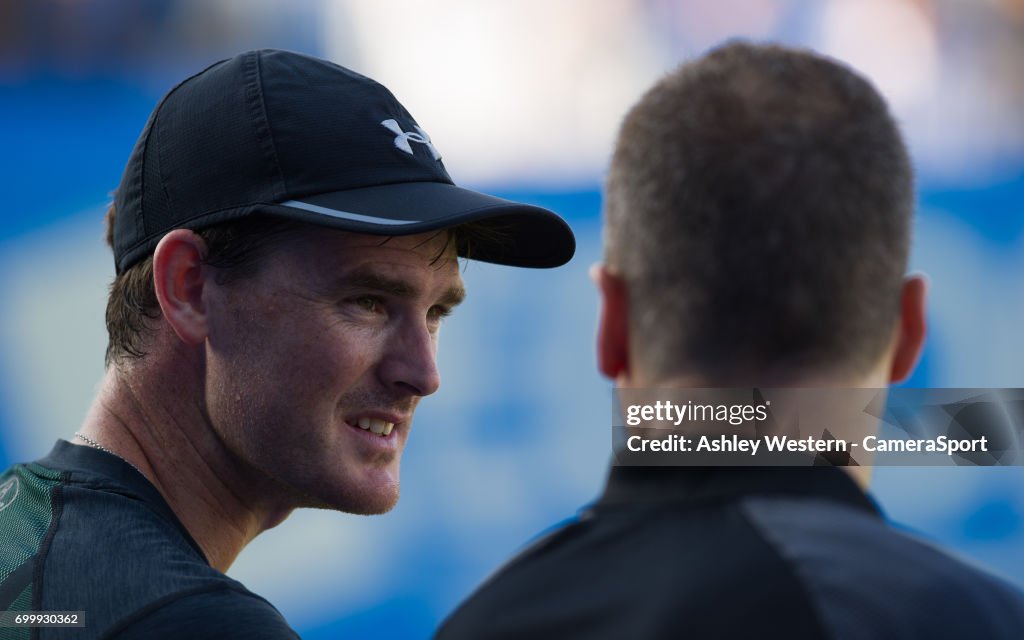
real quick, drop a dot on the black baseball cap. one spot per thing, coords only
(283, 134)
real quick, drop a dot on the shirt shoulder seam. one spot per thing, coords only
(789, 566)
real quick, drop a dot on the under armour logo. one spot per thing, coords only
(402, 138)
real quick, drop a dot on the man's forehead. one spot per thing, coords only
(420, 263)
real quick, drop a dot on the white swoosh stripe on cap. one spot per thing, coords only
(345, 215)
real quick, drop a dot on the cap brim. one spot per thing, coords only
(513, 233)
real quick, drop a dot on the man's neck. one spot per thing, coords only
(160, 427)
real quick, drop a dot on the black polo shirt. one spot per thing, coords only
(788, 552)
(82, 530)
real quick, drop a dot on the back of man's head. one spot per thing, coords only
(758, 208)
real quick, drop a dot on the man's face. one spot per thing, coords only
(316, 363)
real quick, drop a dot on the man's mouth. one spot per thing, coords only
(374, 425)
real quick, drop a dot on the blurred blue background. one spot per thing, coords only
(523, 97)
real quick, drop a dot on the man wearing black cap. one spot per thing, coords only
(758, 215)
(286, 242)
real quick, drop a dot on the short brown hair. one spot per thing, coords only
(232, 246)
(759, 205)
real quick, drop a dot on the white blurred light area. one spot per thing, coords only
(530, 91)
(951, 72)
(893, 43)
(702, 24)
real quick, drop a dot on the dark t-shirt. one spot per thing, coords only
(82, 530)
(796, 553)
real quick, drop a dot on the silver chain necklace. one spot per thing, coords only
(95, 445)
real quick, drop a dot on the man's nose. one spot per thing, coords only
(410, 361)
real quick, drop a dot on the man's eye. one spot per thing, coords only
(370, 303)
(439, 313)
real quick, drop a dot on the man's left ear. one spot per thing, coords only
(911, 329)
(179, 278)
(612, 323)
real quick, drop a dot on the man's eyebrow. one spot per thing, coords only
(454, 296)
(374, 281)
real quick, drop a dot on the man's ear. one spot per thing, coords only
(179, 278)
(612, 323)
(911, 330)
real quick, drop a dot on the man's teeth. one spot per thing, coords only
(379, 427)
